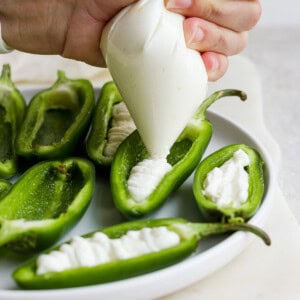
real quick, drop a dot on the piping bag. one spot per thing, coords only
(161, 81)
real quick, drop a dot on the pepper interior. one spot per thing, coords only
(179, 150)
(51, 192)
(60, 109)
(6, 149)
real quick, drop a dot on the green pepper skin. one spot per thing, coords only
(189, 233)
(12, 111)
(256, 184)
(97, 137)
(45, 203)
(184, 156)
(5, 186)
(56, 119)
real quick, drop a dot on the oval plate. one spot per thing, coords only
(212, 254)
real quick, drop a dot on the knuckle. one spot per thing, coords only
(252, 17)
(256, 14)
(241, 44)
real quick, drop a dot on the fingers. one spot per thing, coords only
(237, 15)
(85, 29)
(203, 36)
(70, 28)
(216, 65)
(217, 28)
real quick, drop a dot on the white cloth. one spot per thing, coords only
(260, 272)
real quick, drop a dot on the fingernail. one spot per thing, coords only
(173, 4)
(196, 36)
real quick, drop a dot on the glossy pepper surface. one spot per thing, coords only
(4, 187)
(12, 111)
(56, 119)
(44, 203)
(101, 123)
(189, 237)
(255, 180)
(184, 156)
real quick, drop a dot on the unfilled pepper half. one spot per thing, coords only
(12, 111)
(184, 156)
(120, 252)
(56, 119)
(5, 186)
(230, 183)
(46, 201)
(111, 124)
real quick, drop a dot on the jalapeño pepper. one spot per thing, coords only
(44, 203)
(99, 139)
(56, 119)
(185, 239)
(12, 110)
(231, 209)
(4, 187)
(184, 156)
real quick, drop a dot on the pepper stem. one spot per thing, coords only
(201, 113)
(5, 74)
(206, 229)
(61, 76)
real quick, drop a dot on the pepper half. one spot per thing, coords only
(98, 137)
(189, 235)
(12, 111)
(184, 156)
(209, 208)
(44, 203)
(5, 186)
(56, 119)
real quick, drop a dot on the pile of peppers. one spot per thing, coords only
(53, 193)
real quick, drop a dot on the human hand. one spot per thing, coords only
(73, 28)
(217, 28)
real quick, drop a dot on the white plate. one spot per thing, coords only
(212, 254)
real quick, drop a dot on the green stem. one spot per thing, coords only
(5, 74)
(201, 113)
(206, 229)
(61, 77)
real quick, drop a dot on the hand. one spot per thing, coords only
(217, 28)
(73, 28)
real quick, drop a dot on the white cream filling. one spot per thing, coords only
(100, 249)
(228, 185)
(122, 126)
(145, 176)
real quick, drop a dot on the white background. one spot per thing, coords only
(280, 13)
(274, 47)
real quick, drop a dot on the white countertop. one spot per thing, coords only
(274, 51)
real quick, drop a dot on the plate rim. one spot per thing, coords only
(136, 286)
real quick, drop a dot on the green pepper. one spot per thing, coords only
(98, 137)
(184, 156)
(245, 210)
(56, 119)
(188, 236)
(4, 187)
(12, 110)
(46, 201)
